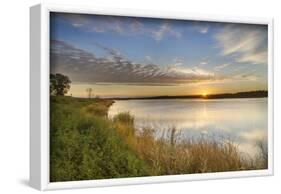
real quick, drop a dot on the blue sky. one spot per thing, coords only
(110, 50)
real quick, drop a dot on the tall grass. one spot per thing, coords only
(262, 157)
(86, 144)
(171, 154)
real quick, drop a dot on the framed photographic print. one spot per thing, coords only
(124, 97)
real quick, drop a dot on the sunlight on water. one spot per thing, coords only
(242, 120)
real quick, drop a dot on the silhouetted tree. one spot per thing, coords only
(89, 91)
(59, 84)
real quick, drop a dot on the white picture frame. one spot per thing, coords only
(39, 102)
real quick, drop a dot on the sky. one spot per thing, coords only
(132, 56)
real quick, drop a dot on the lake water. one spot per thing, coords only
(244, 121)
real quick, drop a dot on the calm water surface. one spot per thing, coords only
(244, 121)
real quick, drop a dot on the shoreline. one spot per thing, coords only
(249, 94)
(181, 98)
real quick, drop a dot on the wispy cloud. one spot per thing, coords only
(203, 30)
(177, 62)
(203, 62)
(200, 27)
(165, 30)
(221, 66)
(148, 58)
(83, 66)
(99, 24)
(245, 43)
(247, 77)
(122, 25)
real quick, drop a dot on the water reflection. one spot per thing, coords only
(244, 120)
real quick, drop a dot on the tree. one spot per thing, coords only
(59, 84)
(89, 91)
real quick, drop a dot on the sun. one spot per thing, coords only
(204, 94)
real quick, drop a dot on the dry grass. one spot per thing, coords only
(262, 157)
(97, 108)
(170, 154)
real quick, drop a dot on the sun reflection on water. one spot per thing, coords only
(243, 119)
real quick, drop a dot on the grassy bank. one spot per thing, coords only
(86, 144)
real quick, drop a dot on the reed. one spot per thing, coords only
(173, 154)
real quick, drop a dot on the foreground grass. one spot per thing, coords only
(86, 144)
(171, 154)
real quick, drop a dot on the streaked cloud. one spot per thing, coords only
(83, 66)
(97, 24)
(132, 26)
(122, 25)
(245, 43)
(221, 66)
(203, 62)
(203, 30)
(245, 76)
(165, 30)
(201, 27)
(148, 58)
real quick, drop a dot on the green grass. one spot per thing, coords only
(86, 144)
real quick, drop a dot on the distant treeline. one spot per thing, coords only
(250, 94)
